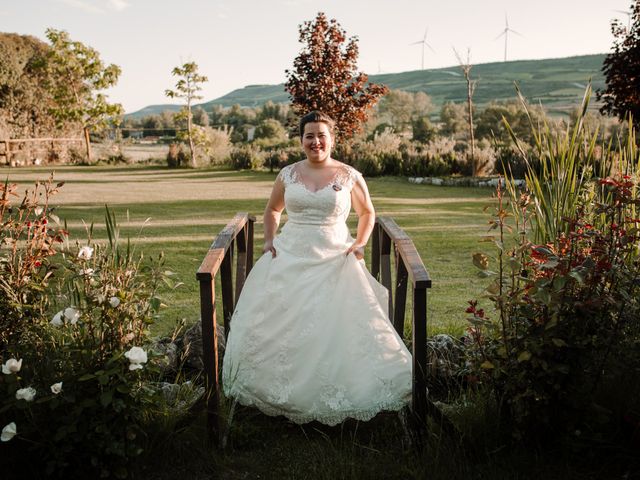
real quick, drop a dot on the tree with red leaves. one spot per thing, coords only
(621, 68)
(325, 77)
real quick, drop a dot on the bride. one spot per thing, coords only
(310, 337)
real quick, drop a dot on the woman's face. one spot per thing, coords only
(317, 141)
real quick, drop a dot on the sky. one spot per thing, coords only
(246, 42)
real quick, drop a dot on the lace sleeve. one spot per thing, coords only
(285, 175)
(352, 176)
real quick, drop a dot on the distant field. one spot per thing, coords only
(180, 211)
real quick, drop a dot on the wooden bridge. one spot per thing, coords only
(232, 250)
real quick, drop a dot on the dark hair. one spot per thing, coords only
(317, 117)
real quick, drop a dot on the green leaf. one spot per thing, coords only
(558, 342)
(524, 356)
(106, 398)
(559, 282)
(86, 376)
(578, 275)
(487, 365)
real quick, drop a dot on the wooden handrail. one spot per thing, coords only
(237, 238)
(409, 267)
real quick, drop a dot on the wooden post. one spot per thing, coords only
(87, 141)
(241, 261)
(375, 250)
(250, 222)
(401, 294)
(226, 281)
(210, 354)
(419, 395)
(385, 266)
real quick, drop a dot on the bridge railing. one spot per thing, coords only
(235, 241)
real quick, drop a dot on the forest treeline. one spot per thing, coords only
(403, 135)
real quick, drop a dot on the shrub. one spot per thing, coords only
(246, 157)
(213, 145)
(568, 315)
(437, 158)
(177, 155)
(565, 293)
(77, 370)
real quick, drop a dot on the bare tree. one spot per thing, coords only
(471, 86)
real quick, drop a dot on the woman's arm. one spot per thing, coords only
(361, 202)
(272, 214)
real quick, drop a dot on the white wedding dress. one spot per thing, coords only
(310, 337)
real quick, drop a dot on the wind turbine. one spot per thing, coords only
(423, 42)
(628, 14)
(505, 32)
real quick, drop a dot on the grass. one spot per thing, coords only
(179, 212)
(187, 208)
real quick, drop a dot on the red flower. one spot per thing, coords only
(37, 263)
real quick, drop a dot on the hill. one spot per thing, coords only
(556, 83)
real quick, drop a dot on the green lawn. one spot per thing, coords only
(179, 212)
(187, 208)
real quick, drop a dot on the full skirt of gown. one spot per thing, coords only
(310, 336)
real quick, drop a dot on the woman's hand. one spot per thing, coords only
(357, 250)
(268, 247)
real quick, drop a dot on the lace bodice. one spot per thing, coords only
(328, 205)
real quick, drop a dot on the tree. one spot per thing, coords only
(325, 77)
(471, 86)
(270, 132)
(400, 108)
(76, 76)
(187, 88)
(201, 117)
(621, 69)
(453, 119)
(423, 130)
(24, 103)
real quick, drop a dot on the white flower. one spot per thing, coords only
(37, 211)
(114, 302)
(72, 315)
(56, 388)
(85, 253)
(87, 272)
(11, 366)
(8, 432)
(26, 394)
(57, 321)
(137, 356)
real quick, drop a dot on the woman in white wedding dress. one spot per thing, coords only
(310, 337)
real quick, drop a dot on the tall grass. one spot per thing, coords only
(558, 169)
